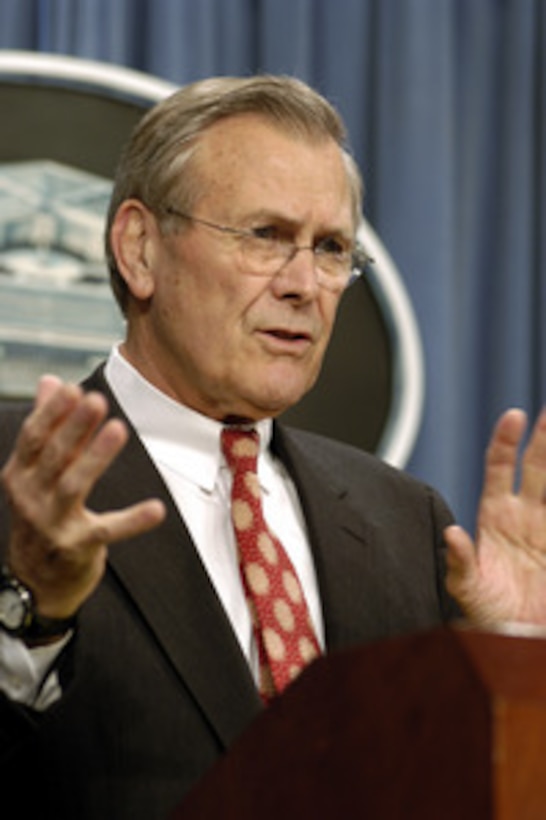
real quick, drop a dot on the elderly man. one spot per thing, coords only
(173, 557)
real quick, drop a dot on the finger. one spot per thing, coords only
(502, 453)
(461, 554)
(533, 475)
(53, 405)
(462, 564)
(131, 521)
(79, 477)
(47, 385)
(70, 437)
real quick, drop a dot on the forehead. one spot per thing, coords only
(246, 161)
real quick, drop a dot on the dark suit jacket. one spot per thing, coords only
(155, 684)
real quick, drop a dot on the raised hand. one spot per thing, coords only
(57, 546)
(502, 575)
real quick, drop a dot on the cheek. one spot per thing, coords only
(204, 317)
(328, 312)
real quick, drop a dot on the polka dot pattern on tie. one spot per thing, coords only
(284, 634)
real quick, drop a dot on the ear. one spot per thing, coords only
(133, 236)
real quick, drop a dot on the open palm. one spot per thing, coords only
(502, 575)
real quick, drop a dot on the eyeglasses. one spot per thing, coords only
(266, 250)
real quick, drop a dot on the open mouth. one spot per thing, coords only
(289, 336)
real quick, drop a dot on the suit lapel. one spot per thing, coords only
(163, 574)
(342, 540)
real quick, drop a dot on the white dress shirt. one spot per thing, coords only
(185, 448)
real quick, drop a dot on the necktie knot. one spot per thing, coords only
(240, 448)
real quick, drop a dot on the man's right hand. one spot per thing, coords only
(58, 547)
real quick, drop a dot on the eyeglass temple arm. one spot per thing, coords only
(360, 258)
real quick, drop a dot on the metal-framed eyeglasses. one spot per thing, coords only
(266, 250)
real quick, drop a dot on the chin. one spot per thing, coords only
(271, 393)
(274, 403)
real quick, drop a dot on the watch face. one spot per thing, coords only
(12, 609)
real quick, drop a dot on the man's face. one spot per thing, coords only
(215, 336)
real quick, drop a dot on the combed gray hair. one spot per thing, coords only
(156, 168)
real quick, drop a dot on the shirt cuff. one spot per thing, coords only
(27, 675)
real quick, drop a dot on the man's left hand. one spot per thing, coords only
(501, 577)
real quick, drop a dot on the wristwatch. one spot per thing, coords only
(18, 616)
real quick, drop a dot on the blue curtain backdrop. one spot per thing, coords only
(445, 102)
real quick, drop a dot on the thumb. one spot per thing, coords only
(462, 565)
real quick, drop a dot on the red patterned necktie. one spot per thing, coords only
(282, 627)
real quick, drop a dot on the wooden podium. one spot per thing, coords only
(447, 725)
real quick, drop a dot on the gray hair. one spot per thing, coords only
(156, 168)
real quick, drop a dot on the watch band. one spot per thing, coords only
(41, 627)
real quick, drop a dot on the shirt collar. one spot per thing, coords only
(183, 440)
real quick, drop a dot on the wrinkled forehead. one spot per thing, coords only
(249, 153)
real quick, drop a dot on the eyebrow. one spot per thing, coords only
(281, 218)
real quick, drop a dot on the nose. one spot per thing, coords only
(298, 277)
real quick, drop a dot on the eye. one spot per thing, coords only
(331, 246)
(266, 232)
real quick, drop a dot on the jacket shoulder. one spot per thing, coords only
(363, 474)
(332, 454)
